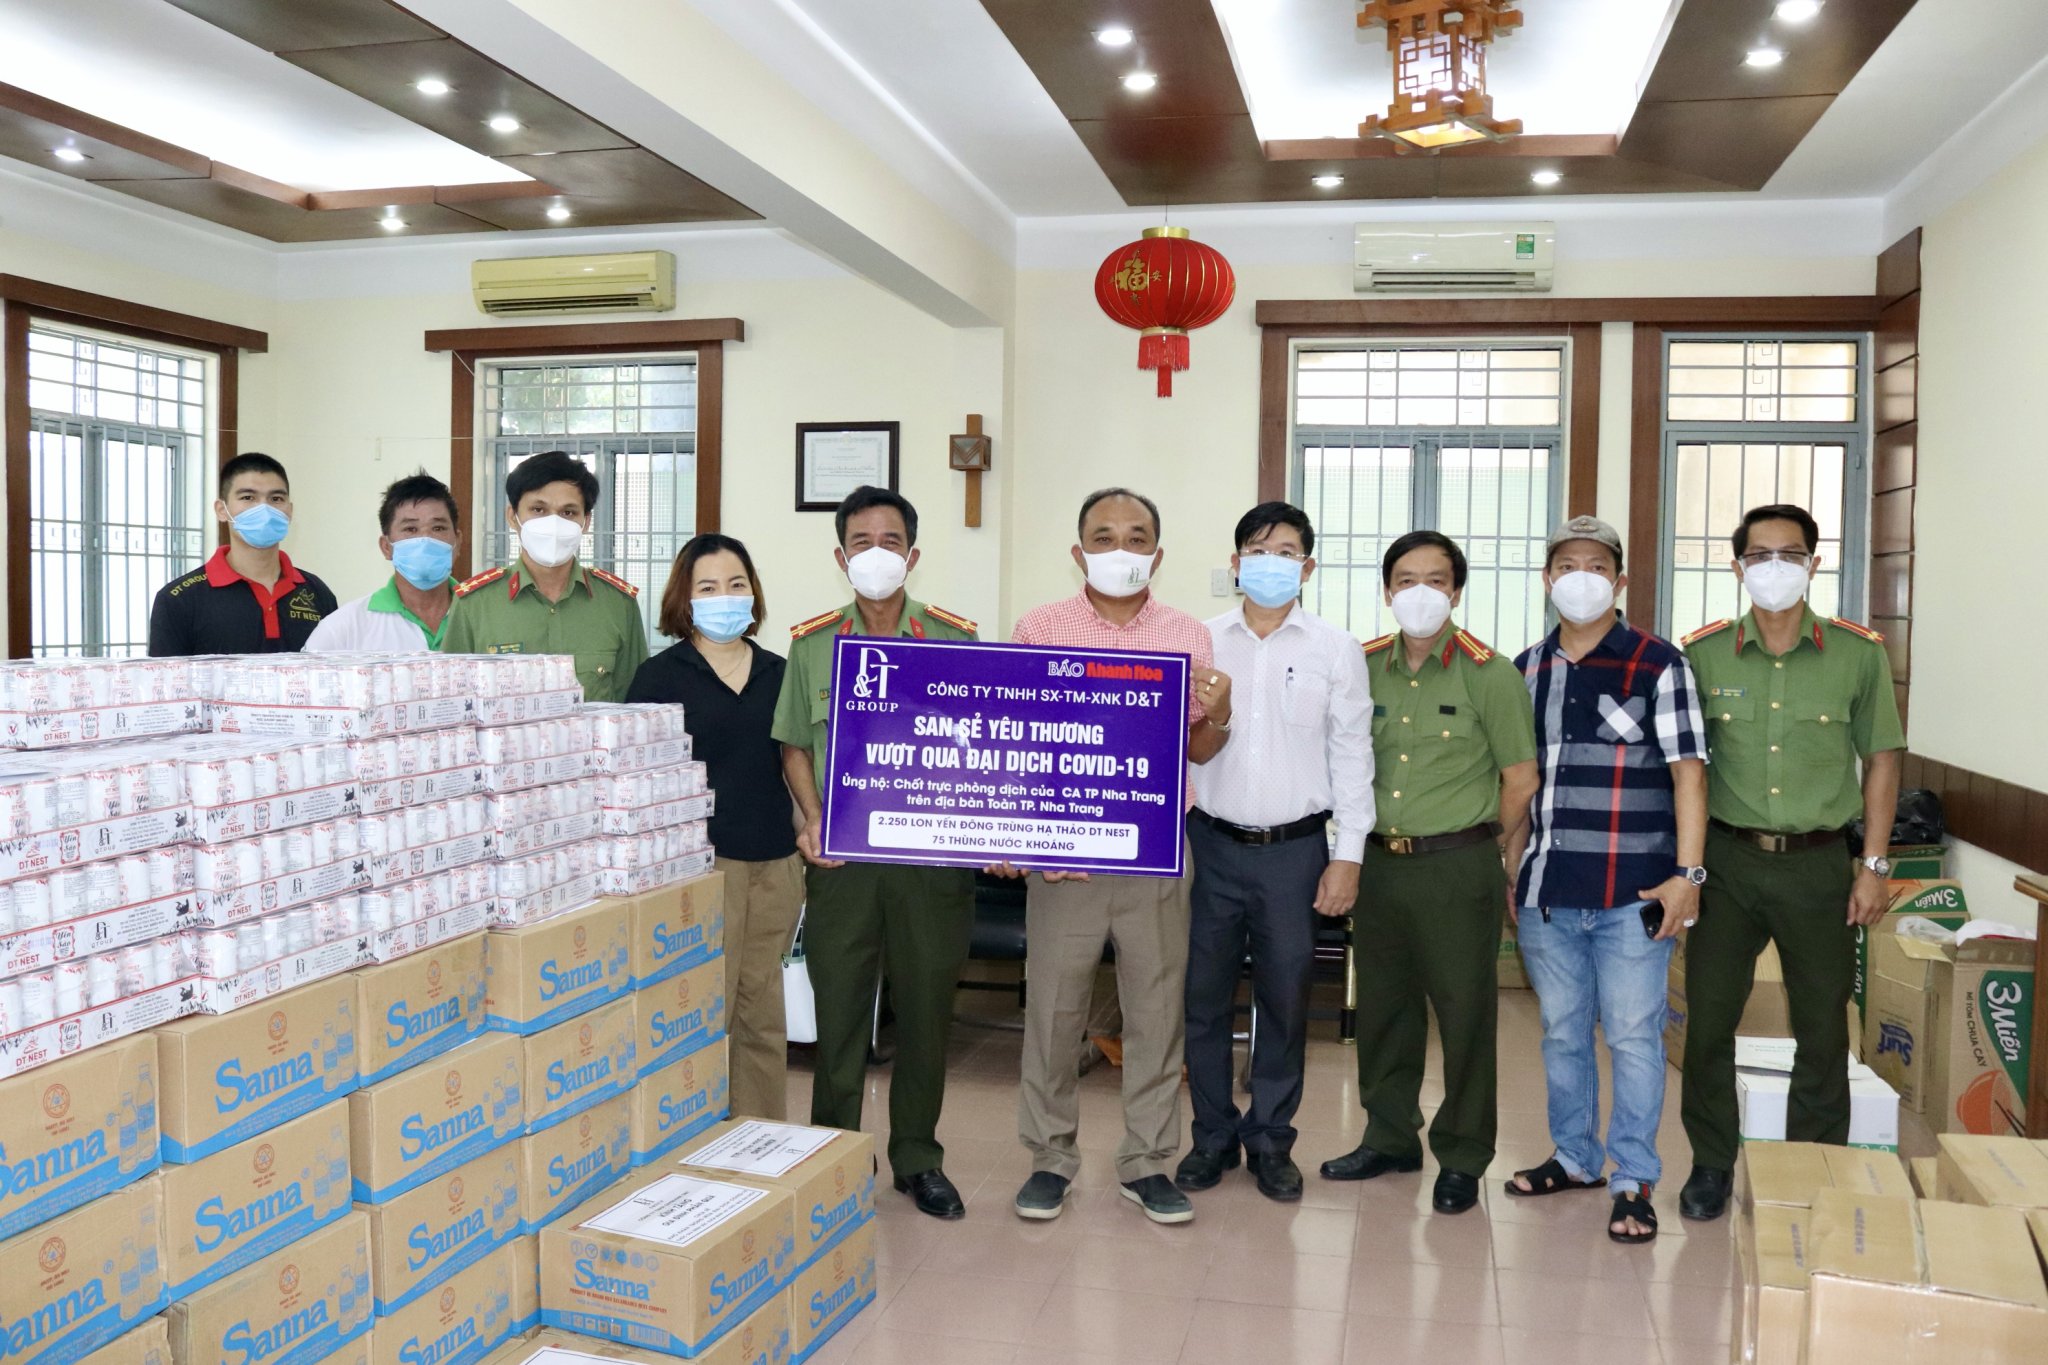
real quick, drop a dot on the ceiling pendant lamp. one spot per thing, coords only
(1163, 285)
(1439, 49)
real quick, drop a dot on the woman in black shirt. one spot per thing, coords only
(727, 685)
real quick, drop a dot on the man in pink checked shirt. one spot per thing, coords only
(1069, 916)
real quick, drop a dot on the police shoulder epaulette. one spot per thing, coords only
(470, 585)
(1375, 646)
(816, 623)
(1711, 628)
(953, 619)
(621, 584)
(1858, 628)
(1470, 644)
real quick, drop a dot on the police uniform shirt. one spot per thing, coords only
(215, 610)
(1442, 734)
(596, 621)
(1785, 731)
(378, 624)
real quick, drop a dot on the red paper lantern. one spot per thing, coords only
(1164, 285)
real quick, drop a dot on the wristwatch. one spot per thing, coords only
(1696, 875)
(1881, 866)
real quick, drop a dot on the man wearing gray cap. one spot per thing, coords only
(1610, 869)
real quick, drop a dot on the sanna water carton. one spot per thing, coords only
(461, 1321)
(296, 1306)
(84, 1278)
(426, 1236)
(427, 1121)
(420, 1006)
(224, 1078)
(75, 1130)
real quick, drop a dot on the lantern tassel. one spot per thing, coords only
(1164, 351)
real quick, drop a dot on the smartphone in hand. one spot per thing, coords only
(1653, 917)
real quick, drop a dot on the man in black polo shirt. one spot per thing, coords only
(248, 598)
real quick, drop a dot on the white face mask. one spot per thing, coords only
(1118, 573)
(1581, 596)
(550, 541)
(1775, 585)
(1421, 610)
(876, 573)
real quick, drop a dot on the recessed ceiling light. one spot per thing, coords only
(559, 213)
(432, 85)
(1327, 182)
(1138, 82)
(69, 154)
(1114, 37)
(503, 123)
(391, 222)
(1545, 177)
(1796, 11)
(1763, 56)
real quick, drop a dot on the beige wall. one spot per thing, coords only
(1979, 614)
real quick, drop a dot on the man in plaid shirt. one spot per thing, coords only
(1610, 869)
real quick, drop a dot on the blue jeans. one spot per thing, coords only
(1589, 965)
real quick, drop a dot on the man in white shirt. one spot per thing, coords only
(421, 528)
(1298, 757)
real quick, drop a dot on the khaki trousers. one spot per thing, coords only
(761, 905)
(1065, 925)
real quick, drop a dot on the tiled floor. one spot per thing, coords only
(1355, 1273)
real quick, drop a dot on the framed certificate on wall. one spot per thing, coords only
(834, 458)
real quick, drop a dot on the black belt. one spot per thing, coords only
(1401, 845)
(1771, 842)
(1271, 834)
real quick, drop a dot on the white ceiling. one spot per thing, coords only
(154, 68)
(1309, 71)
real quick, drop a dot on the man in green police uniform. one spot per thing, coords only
(859, 915)
(1791, 702)
(546, 603)
(1454, 748)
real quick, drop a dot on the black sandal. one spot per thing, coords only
(1636, 1206)
(1549, 1178)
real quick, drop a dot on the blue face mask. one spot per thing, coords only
(423, 561)
(261, 526)
(1269, 580)
(722, 619)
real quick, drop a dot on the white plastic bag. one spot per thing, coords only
(799, 1003)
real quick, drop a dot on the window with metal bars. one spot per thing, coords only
(1460, 437)
(1750, 420)
(633, 421)
(118, 449)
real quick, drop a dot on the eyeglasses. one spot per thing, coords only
(1797, 557)
(1295, 555)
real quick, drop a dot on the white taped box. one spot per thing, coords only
(28, 950)
(618, 725)
(511, 811)
(386, 945)
(617, 881)
(662, 753)
(26, 1049)
(544, 903)
(420, 789)
(518, 709)
(514, 774)
(32, 855)
(96, 724)
(553, 833)
(655, 785)
(219, 995)
(405, 864)
(661, 815)
(229, 904)
(244, 819)
(279, 721)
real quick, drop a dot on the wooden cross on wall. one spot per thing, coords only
(972, 453)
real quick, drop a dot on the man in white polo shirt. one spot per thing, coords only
(406, 615)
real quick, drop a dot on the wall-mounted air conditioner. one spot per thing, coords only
(628, 281)
(1452, 257)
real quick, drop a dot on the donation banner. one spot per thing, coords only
(967, 754)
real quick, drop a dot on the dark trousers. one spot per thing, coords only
(1427, 930)
(1261, 898)
(1800, 901)
(917, 920)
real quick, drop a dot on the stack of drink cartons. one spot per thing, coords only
(655, 799)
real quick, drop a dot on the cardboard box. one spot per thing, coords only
(225, 1078)
(462, 1321)
(676, 927)
(1771, 1250)
(578, 1063)
(1917, 1284)
(1765, 1096)
(1953, 1023)
(565, 1163)
(149, 1344)
(1768, 1014)
(1926, 1176)
(248, 1200)
(420, 1006)
(828, 1172)
(84, 1278)
(1918, 862)
(425, 1122)
(679, 1101)
(75, 1130)
(1940, 901)
(525, 1283)
(679, 1014)
(296, 1306)
(670, 1261)
(541, 974)
(762, 1338)
(2006, 1172)
(826, 1294)
(1789, 1174)
(427, 1235)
